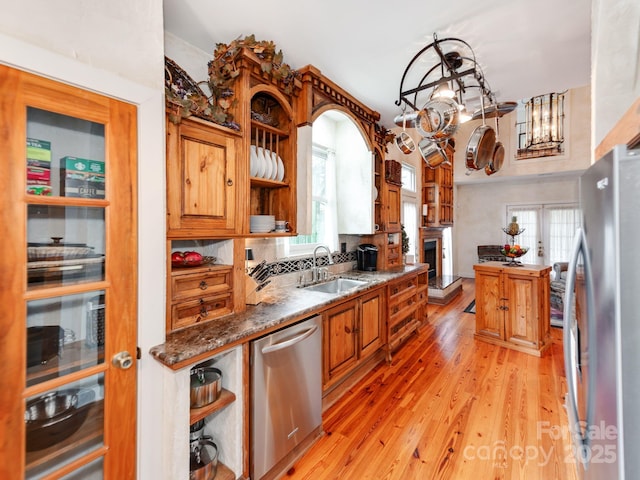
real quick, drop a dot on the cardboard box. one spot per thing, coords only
(80, 177)
(38, 153)
(38, 167)
(38, 175)
(42, 190)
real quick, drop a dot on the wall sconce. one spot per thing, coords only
(545, 121)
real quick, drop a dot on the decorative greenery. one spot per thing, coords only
(185, 98)
(405, 240)
(223, 72)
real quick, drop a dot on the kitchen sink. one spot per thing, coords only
(337, 285)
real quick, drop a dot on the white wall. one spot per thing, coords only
(577, 144)
(615, 71)
(480, 200)
(114, 48)
(480, 212)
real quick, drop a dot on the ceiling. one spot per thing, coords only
(524, 48)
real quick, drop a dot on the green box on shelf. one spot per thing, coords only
(38, 167)
(80, 177)
(38, 153)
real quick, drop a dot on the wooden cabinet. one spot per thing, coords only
(437, 192)
(68, 332)
(199, 294)
(352, 332)
(423, 296)
(202, 180)
(266, 113)
(272, 165)
(404, 311)
(512, 306)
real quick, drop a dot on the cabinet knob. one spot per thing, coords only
(229, 182)
(347, 330)
(203, 311)
(203, 285)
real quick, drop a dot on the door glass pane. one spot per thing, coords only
(64, 335)
(65, 244)
(92, 471)
(63, 424)
(64, 156)
(563, 223)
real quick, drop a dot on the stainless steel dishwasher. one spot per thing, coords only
(286, 379)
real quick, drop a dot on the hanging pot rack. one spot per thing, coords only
(455, 64)
(450, 63)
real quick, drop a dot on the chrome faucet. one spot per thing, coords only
(315, 276)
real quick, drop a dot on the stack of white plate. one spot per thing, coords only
(262, 223)
(266, 164)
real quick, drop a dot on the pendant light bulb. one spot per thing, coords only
(463, 115)
(443, 90)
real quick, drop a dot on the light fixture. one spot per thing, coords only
(544, 122)
(451, 71)
(464, 116)
(443, 91)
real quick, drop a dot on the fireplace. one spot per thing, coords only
(442, 288)
(430, 249)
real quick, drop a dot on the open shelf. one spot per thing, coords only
(75, 356)
(226, 398)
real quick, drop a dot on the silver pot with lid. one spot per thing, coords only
(206, 386)
(203, 461)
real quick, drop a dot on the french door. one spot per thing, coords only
(549, 230)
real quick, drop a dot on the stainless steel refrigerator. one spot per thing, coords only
(602, 321)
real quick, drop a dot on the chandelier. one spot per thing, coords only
(544, 121)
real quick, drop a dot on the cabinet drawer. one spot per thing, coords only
(199, 284)
(200, 310)
(402, 286)
(398, 312)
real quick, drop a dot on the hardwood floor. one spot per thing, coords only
(449, 407)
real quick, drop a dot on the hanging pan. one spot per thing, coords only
(498, 155)
(432, 153)
(481, 145)
(438, 120)
(404, 141)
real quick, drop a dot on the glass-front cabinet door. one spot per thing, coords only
(68, 290)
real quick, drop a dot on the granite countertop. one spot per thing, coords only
(279, 306)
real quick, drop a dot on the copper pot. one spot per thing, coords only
(206, 386)
(481, 147)
(432, 153)
(498, 155)
(496, 161)
(439, 119)
(404, 141)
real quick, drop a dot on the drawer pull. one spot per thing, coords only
(203, 311)
(203, 285)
